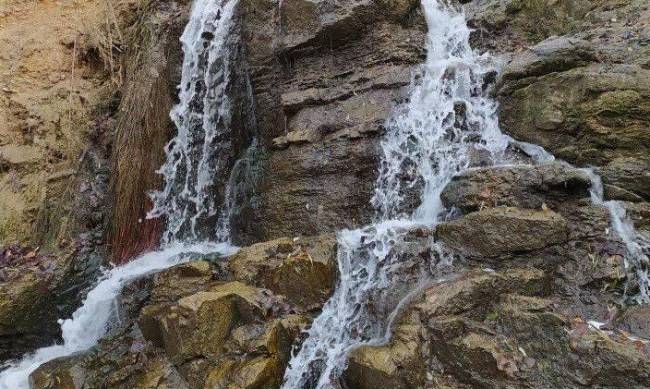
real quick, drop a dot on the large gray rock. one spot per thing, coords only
(586, 101)
(302, 270)
(201, 325)
(585, 115)
(517, 186)
(325, 78)
(499, 330)
(630, 173)
(502, 231)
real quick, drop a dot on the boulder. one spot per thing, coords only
(511, 26)
(33, 296)
(183, 280)
(636, 321)
(497, 232)
(523, 186)
(555, 54)
(200, 324)
(59, 374)
(585, 107)
(182, 328)
(152, 371)
(586, 115)
(496, 329)
(639, 214)
(405, 361)
(303, 269)
(630, 173)
(398, 365)
(260, 372)
(507, 25)
(265, 353)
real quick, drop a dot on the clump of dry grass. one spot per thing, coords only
(143, 129)
(108, 41)
(112, 39)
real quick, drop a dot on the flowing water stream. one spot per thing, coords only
(91, 321)
(637, 260)
(196, 222)
(198, 157)
(448, 121)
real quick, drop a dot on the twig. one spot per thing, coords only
(74, 59)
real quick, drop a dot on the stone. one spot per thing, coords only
(397, 365)
(497, 232)
(633, 174)
(303, 270)
(636, 321)
(496, 329)
(508, 25)
(639, 214)
(322, 117)
(180, 281)
(405, 361)
(58, 374)
(199, 324)
(150, 371)
(585, 105)
(554, 54)
(605, 105)
(259, 372)
(266, 353)
(517, 186)
(193, 332)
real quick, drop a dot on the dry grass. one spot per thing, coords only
(108, 40)
(114, 37)
(143, 129)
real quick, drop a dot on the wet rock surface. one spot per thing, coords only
(36, 289)
(304, 270)
(321, 114)
(498, 231)
(538, 264)
(530, 187)
(498, 330)
(208, 324)
(577, 83)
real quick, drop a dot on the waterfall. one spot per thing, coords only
(448, 120)
(637, 260)
(91, 321)
(198, 159)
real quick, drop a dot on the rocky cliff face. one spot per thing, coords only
(539, 298)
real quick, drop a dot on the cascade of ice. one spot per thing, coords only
(448, 119)
(194, 165)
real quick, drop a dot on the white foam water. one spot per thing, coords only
(193, 161)
(199, 155)
(637, 260)
(90, 322)
(448, 120)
